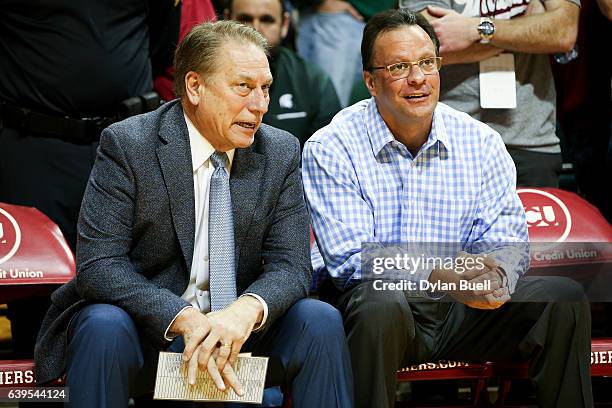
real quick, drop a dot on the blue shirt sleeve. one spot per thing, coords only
(499, 227)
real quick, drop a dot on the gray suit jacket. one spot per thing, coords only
(136, 229)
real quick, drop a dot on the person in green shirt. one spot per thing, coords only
(302, 97)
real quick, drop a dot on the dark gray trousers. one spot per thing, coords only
(547, 322)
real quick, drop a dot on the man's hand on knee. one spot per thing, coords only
(487, 291)
(484, 285)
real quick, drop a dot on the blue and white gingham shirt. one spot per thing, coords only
(362, 185)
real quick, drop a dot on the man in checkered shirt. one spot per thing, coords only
(404, 168)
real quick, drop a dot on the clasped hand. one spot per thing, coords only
(485, 269)
(476, 269)
(213, 341)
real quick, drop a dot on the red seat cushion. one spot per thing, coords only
(601, 362)
(20, 373)
(17, 373)
(601, 365)
(444, 370)
(601, 357)
(33, 253)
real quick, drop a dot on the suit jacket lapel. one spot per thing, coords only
(174, 156)
(245, 182)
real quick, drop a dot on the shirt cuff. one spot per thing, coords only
(510, 264)
(513, 278)
(265, 310)
(172, 337)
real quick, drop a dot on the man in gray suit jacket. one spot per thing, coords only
(156, 272)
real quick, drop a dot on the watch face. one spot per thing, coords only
(486, 28)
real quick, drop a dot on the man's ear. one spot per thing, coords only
(368, 78)
(285, 25)
(193, 81)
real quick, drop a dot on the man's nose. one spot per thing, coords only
(256, 24)
(259, 101)
(415, 76)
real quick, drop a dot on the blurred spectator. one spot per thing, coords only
(219, 6)
(302, 97)
(605, 6)
(585, 107)
(479, 31)
(330, 36)
(65, 67)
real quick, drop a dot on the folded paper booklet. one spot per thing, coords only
(171, 381)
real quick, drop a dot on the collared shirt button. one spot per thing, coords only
(205, 258)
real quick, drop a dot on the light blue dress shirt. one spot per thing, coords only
(362, 185)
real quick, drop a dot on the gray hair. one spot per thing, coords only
(199, 51)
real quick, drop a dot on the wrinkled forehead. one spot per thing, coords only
(244, 60)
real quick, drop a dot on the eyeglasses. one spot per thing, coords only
(428, 66)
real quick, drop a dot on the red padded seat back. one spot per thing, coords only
(33, 253)
(564, 229)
